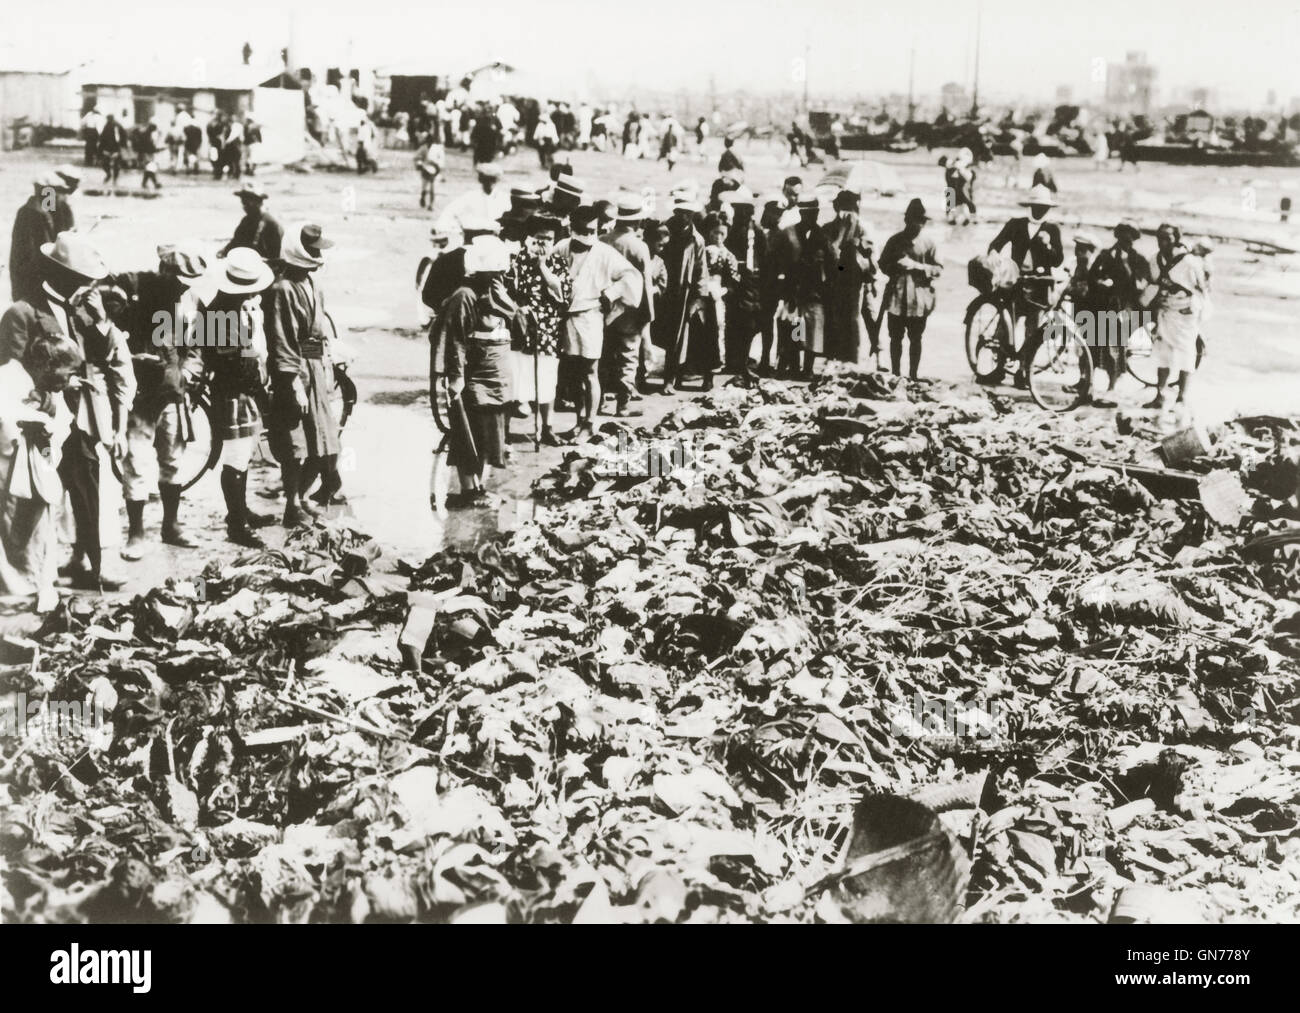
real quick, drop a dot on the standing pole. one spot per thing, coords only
(975, 91)
(911, 82)
(807, 51)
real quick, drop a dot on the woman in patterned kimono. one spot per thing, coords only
(302, 431)
(238, 385)
(34, 420)
(540, 284)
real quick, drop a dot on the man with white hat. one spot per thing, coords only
(99, 397)
(34, 226)
(1035, 247)
(162, 320)
(627, 336)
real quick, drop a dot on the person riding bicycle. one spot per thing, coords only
(1036, 248)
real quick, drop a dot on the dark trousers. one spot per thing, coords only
(79, 470)
(742, 325)
(914, 328)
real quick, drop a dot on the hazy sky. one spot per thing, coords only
(1242, 49)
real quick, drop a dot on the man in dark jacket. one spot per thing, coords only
(730, 161)
(160, 320)
(805, 261)
(257, 229)
(34, 225)
(687, 292)
(112, 148)
(745, 302)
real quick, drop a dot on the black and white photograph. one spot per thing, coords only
(689, 463)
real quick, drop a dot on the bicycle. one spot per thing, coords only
(202, 450)
(1059, 374)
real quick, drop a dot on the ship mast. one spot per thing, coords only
(911, 80)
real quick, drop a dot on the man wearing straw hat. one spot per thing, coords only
(746, 307)
(161, 322)
(99, 397)
(1035, 247)
(302, 431)
(627, 336)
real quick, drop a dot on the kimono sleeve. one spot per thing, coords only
(282, 354)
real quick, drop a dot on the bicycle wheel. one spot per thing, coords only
(1139, 359)
(201, 453)
(988, 331)
(1060, 374)
(343, 392)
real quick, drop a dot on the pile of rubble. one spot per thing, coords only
(732, 672)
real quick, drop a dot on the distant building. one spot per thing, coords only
(953, 97)
(34, 95)
(1131, 85)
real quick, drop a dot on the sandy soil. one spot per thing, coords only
(1254, 360)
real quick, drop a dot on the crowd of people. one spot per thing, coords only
(227, 144)
(97, 372)
(538, 300)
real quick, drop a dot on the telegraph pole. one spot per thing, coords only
(975, 90)
(911, 81)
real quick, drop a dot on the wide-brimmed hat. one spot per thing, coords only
(1127, 227)
(487, 254)
(740, 195)
(1039, 196)
(313, 238)
(183, 261)
(75, 254)
(524, 202)
(628, 206)
(50, 180)
(488, 170)
(916, 211)
(688, 205)
(252, 190)
(244, 271)
(1086, 239)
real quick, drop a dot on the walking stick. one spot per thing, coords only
(537, 398)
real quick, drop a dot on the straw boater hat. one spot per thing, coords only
(75, 254)
(488, 170)
(1039, 196)
(687, 204)
(255, 190)
(630, 206)
(741, 195)
(244, 271)
(1086, 239)
(182, 261)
